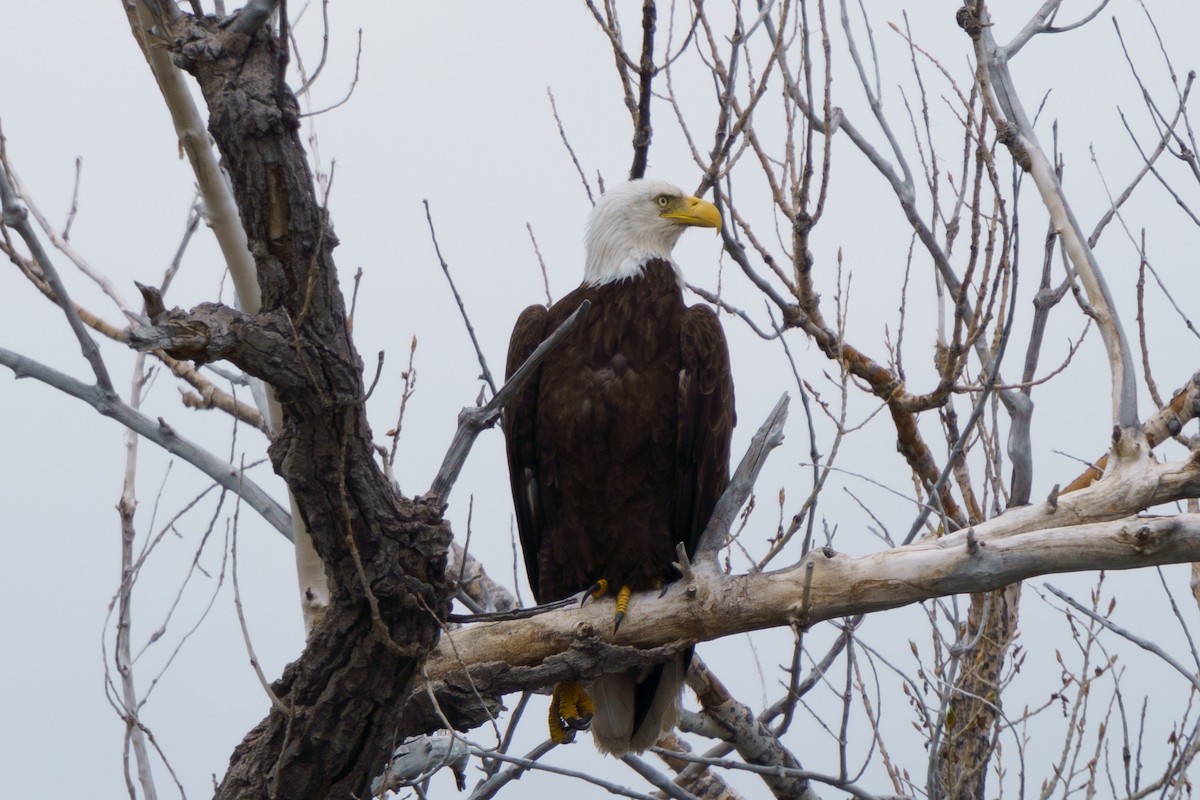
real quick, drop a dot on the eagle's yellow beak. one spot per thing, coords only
(694, 211)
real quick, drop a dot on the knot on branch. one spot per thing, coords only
(1009, 135)
(794, 316)
(801, 226)
(180, 334)
(968, 19)
(1127, 442)
(1144, 539)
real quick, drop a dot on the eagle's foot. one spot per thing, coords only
(595, 591)
(571, 709)
(662, 587)
(622, 606)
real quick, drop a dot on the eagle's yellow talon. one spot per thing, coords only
(622, 606)
(595, 591)
(570, 710)
(559, 732)
(575, 708)
(585, 706)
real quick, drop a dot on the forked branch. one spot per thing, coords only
(1016, 132)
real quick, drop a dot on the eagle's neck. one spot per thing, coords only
(619, 248)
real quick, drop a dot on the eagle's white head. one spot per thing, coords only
(637, 221)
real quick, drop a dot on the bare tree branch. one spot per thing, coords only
(573, 642)
(160, 433)
(1016, 132)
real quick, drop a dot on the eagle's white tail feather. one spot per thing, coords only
(612, 725)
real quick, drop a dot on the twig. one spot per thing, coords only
(657, 779)
(189, 229)
(410, 385)
(528, 763)
(349, 91)
(487, 789)
(487, 374)
(513, 613)
(642, 132)
(541, 263)
(134, 734)
(15, 217)
(717, 301)
(279, 705)
(311, 79)
(66, 231)
(1145, 644)
(803, 774)
(65, 247)
(358, 274)
(194, 566)
(570, 150)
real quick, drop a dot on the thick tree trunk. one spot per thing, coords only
(342, 705)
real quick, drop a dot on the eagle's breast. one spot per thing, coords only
(606, 435)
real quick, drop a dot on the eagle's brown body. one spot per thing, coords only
(619, 448)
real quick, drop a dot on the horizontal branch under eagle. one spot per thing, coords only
(1086, 530)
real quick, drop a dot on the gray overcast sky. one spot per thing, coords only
(452, 107)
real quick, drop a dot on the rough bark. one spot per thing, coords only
(966, 750)
(345, 699)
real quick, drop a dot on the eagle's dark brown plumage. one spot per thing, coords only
(619, 447)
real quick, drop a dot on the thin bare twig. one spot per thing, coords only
(279, 705)
(486, 374)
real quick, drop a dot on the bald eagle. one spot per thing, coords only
(618, 448)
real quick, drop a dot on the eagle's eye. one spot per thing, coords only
(663, 201)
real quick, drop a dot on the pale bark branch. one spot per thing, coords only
(750, 736)
(741, 483)
(1093, 531)
(220, 208)
(1016, 132)
(221, 212)
(134, 733)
